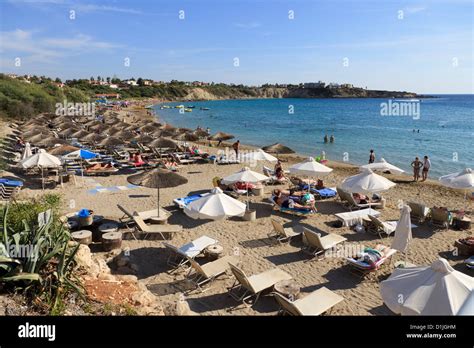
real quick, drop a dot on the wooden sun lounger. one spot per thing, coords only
(362, 268)
(244, 287)
(145, 215)
(316, 303)
(440, 217)
(162, 230)
(202, 274)
(178, 257)
(348, 199)
(316, 246)
(379, 227)
(419, 212)
(282, 234)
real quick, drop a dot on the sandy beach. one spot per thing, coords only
(248, 239)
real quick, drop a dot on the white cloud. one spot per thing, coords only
(103, 8)
(82, 7)
(24, 44)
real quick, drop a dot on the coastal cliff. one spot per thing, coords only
(203, 93)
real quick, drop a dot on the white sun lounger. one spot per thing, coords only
(316, 303)
(245, 287)
(179, 256)
(352, 218)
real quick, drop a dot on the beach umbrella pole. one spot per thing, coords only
(158, 201)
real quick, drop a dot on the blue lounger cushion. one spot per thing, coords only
(325, 192)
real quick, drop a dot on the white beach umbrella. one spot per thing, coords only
(366, 182)
(461, 180)
(383, 166)
(216, 206)
(40, 160)
(245, 175)
(429, 290)
(26, 151)
(310, 168)
(468, 306)
(403, 234)
(259, 155)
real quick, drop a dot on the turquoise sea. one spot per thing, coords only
(445, 124)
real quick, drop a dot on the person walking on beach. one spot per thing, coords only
(236, 147)
(371, 157)
(417, 165)
(426, 168)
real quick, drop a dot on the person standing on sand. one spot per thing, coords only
(417, 165)
(371, 157)
(426, 168)
(236, 147)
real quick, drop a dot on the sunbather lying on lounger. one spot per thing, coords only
(171, 165)
(244, 186)
(363, 199)
(99, 166)
(304, 202)
(372, 256)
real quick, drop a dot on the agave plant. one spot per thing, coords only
(46, 265)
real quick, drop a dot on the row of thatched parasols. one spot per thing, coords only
(114, 132)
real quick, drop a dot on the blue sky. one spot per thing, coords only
(426, 48)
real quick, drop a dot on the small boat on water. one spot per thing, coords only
(188, 110)
(190, 107)
(179, 106)
(165, 107)
(408, 100)
(204, 108)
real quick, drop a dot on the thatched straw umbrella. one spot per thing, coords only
(62, 150)
(66, 124)
(113, 130)
(37, 121)
(156, 134)
(68, 132)
(278, 149)
(35, 131)
(184, 130)
(169, 132)
(93, 138)
(157, 178)
(34, 139)
(201, 133)
(112, 120)
(111, 141)
(80, 134)
(125, 135)
(149, 128)
(168, 127)
(221, 136)
(186, 137)
(161, 143)
(143, 139)
(98, 127)
(51, 141)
